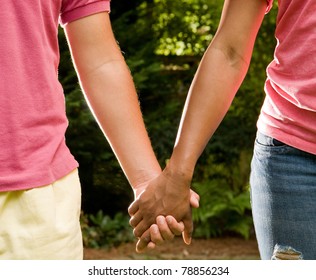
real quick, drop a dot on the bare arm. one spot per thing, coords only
(109, 89)
(220, 73)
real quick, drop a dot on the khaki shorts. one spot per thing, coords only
(42, 223)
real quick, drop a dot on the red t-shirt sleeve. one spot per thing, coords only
(74, 9)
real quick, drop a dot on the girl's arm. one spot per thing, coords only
(220, 74)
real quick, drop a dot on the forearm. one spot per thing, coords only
(212, 91)
(113, 99)
(109, 89)
(217, 80)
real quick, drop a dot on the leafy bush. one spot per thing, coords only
(224, 197)
(221, 211)
(103, 231)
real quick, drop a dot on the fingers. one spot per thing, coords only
(194, 199)
(143, 246)
(150, 235)
(135, 220)
(175, 227)
(164, 230)
(155, 235)
(143, 241)
(133, 208)
(159, 233)
(141, 227)
(188, 229)
(151, 246)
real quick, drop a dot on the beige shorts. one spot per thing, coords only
(42, 223)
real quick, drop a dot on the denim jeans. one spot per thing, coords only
(283, 199)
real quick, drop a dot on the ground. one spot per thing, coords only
(211, 249)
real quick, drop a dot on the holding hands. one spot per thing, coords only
(162, 209)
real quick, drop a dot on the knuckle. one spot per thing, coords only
(136, 233)
(130, 212)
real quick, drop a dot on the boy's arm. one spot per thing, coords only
(110, 92)
(109, 89)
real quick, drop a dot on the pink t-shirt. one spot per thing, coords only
(289, 110)
(32, 106)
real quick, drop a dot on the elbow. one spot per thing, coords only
(235, 58)
(233, 52)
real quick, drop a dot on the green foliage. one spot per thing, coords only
(222, 211)
(100, 230)
(225, 203)
(184, 27)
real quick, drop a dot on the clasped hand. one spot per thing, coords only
(162, 209)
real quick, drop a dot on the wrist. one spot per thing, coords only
(179, 173)
(181, 166)
(142, 179)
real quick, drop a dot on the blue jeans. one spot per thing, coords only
(283, 199)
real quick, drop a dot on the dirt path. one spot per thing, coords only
(214, 249)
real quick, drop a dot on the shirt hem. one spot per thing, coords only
(287, 138)
(43, 179)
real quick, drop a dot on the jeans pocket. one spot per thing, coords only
(268, 141)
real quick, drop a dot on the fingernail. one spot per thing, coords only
(160, 220)
(155, 229)
(188, 241)
(169, 220)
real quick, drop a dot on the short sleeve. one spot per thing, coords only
(269, 5)
(74, 9)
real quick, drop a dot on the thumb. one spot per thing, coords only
(143, 242)
(194, 199)
(188, 229)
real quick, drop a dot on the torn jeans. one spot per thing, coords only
(283, 199)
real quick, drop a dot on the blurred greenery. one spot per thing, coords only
(163, 42)
(100, 230)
